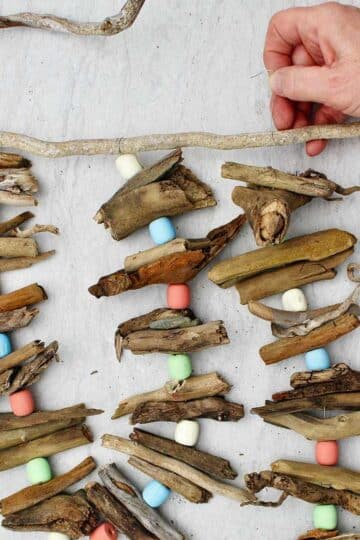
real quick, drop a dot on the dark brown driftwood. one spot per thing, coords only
(13, 161)
(71, 515)
(214, 466)
(340, 401)
(168, 411)
(27, 296)
(164, 189)
(174, 268)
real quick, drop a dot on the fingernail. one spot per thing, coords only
(275, 81)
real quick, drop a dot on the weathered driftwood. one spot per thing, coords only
(182, 469)
(24, 297)
(32, 495)
(17, 263)
(180, 485)
(108, 27)
(20, 355)
(339, 401)
(130, 497)
(214, 466)
(15, 222)
(200, 386)
(13, 161)
(216, 408)
(34, 229)
(17, 184)
(353, 272)
(18, 247)
(164, 189)
(45, 446)
(319, 534)
(116, 513)
(308, 248)
(306, 491)
(71, 515)
(175, 268)
(18, 318)
(136, 261)
(305, 378)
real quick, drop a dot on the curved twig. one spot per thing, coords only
(108, 27)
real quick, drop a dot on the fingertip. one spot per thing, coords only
(314, 148)
(283, 112)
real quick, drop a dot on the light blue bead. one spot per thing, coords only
(162, 230)
(317, 359)
(5, 345)
(155, 494)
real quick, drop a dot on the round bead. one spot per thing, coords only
(128, 166)
(155, 494)
(22, 402)
(5, 345)
(317, 359)
(58, 536)
(105, 531)
(162, 230)
(180, 366)
(187, 432)
(294, 300)
(38, 471)
(178, 296)
(325, 517)
(327, 452)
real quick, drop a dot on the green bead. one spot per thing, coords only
(180, 366)
(325, 517)
(38, 471)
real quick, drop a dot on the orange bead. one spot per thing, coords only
(105, 531)
(327, 452)
(178, 296)
(22, 403)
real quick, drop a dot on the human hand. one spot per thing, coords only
(312, 55)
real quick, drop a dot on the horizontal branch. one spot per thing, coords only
(339, 401)
(20, 355)
(17, 318)
(27, 296)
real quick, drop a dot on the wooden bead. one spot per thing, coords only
(128, 166)
(178, 296)
(105, 531)
(187, 432)
(327, 452)
(22, 402)
(155, 494)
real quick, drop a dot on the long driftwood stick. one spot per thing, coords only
(131, 498)
(340, 401)
(13, 223)
(71, 515)
(200, 479)
(27, 296)
(20, 355)
(168, 411)
(214, 466)
(318, 534)
(32, 495)
(338, 372)
(200, 386)
(108, 27)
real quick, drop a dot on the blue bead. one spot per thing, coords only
(155, 494)
(317, 359)
(5, 345)
(162, 230)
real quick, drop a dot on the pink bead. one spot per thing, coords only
(105, 531)
(178, 296)
(327, 452)
(22, 403)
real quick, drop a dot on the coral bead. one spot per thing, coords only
(187, 432)
(327, 452)
(178, 296)
(5, 345)
(22, 403)
(317, 359)
(294, 300)
(155, 494)
(105, 531)
(325, 517)
(58, 536)
(38, 471)
(180, 366)
(162, 230)
(128, 166)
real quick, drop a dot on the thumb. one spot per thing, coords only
(302, 83)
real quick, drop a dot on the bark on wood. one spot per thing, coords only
(32, 495)
(182, 469)
(175, 268)
(27, 296)
(304, 378)
(164, 189)
(16, 221)
(17, 184)
(136, 261)
(168, 411)
(13, 161)
(18, 318)
(214, 466)
(71, 515)
(20, 355)
(45, 446)
(340, 401)
(130, 497)
(116, 513)
(18, 247)
(308, 248)
(200, 386)
(108, 27)
(180, 485)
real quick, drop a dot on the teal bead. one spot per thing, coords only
(180, 366)
(317, 359)
(38, 471)
(162, 230)
(5, 345)
(325, 517)
(155, 494)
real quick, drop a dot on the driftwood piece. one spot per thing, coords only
(18, 318)
(182, 469)
(136, 261)
(304, 378)
(116, 513)
(180, 485)
(13, 161)
(308, 248)
(18, 247)
(71, 515)
(32, 495)
(196, 387)
(339, 401)
(130, 497)
(16, 221)
(17, 263)
(35, 229)
(353, 272)
(24, 297)
(17, 184)
(169, 411)
(214, 466)
(164, 189)
(20, 355)
(318, 534)
(176, 268)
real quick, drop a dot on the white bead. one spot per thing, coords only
(294, 300)
(187, 432)
(128, 165)
(58, 536)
